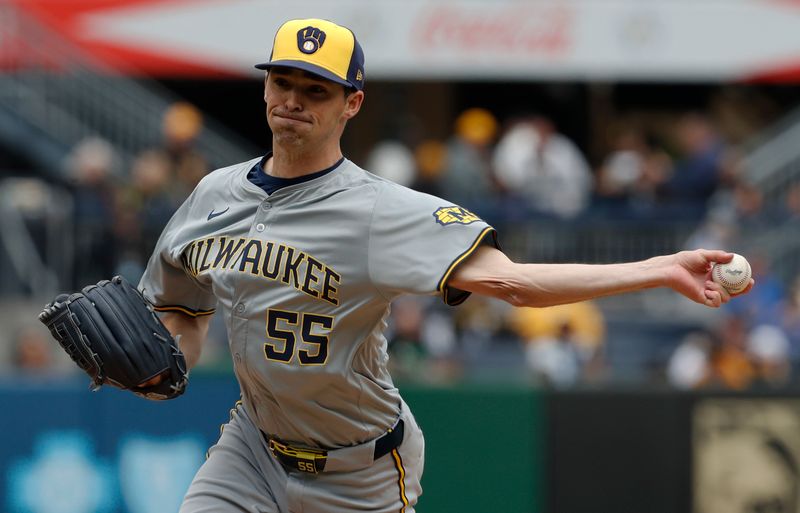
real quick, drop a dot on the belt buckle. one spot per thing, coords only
(311, 461)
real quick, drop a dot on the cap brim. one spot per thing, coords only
(305, 66)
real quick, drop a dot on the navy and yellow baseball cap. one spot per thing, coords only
(320, 47)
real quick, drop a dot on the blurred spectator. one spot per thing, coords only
(586, 321)
(790, 322)
(479, 324)
(393, 160)
(792, 199)
(561, 336)
(744, 205)
(769, 348)
(791, 203)
(405, 340)
(731, 366)
(624, 166)
(717, 230)
(555, 359)
(32, 352)
(430, 157)
(738, 208)
(160, 180)
(181, 126)
(467, 179)
(91, 167)
(749, 209)
(543, 168)
(697, 171)
(629, 178)
(145, 206)
(422, 341)
(689, 365)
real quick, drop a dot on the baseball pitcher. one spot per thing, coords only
(302, 252)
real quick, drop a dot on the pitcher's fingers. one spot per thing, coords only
(713, 298)
(725, 296)
(716, 255)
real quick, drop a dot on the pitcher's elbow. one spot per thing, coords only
(523, 297)
(512, 295)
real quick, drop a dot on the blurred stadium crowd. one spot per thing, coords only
(657, 188)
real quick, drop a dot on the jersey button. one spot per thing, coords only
(266, 205)
(260, 227)
(240, 308)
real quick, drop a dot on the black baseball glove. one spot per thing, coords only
(114, 335)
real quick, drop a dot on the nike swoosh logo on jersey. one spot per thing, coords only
(212, 214)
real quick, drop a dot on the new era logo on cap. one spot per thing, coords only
(320, 47)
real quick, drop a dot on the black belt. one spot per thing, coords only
(389, 441)
(313, 460)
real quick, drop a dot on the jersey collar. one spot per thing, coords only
(271, 184)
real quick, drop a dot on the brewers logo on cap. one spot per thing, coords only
(310, 39)
(320, 47)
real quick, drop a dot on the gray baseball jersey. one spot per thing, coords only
(304, 278)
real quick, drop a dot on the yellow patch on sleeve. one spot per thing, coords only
(454, 215)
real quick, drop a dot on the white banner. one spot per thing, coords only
(474, 39)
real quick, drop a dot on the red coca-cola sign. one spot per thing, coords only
(541, 30)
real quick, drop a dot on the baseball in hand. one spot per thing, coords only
(733, 276)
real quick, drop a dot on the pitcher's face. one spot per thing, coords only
(305, 109)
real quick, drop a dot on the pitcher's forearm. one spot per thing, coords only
(541, 285)
(554, 284)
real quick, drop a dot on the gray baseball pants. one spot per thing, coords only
(242, 476)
